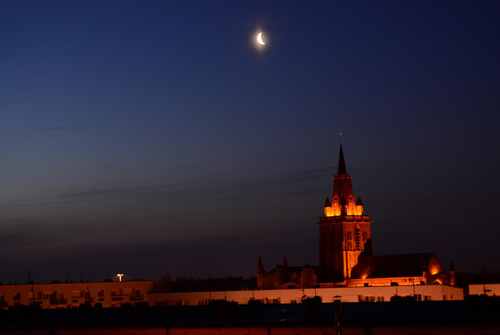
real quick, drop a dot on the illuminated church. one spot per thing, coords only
(345, 251)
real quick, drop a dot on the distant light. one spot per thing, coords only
(119, 275)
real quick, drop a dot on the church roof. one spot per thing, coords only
(295, 269)
(403, 265)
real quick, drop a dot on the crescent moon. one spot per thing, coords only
(259, 39)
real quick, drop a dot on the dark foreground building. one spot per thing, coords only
(476, 315)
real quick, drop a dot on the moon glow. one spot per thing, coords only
(259, 39)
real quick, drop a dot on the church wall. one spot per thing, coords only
(388, 281)
(265, 280)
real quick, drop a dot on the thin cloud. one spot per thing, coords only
(238, 189)
(248, 189)
(58, 128)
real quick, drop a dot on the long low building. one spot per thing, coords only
(488, 289)
(293, 296)
(115, 294)
(72, 295)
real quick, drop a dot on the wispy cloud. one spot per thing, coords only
(238, 189)
(58, 128)
(245, 189)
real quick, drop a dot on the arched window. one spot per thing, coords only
(357, 239)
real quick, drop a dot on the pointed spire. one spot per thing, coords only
(359, 206)
(285, 263)
(260, 266)
(327, 202)
(453, 278)
(341, 169)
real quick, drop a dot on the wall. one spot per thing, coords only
(113, 294)
(491, 289)
(290, 296)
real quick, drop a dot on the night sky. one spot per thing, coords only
(145, 137)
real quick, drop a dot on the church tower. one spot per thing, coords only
(344, 231)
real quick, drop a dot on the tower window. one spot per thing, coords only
(356, 238)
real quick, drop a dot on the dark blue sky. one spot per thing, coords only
(151, 136)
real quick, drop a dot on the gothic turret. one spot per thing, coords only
(328, 207)
(260, 267)
(359, 206)
(285, 262)
(453, 278)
